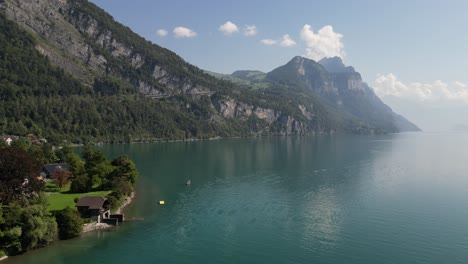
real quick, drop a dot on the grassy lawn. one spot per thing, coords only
(59, 200)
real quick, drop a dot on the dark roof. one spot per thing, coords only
(92, 202)
(53, 168)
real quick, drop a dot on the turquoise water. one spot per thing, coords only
(328, 199)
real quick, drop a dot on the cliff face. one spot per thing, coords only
(342, 87)
(61, 43)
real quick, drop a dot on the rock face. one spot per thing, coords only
(44, 18)
(342, 87)
(304, 73)
(78, 43)
(335, 65)
(230, 108)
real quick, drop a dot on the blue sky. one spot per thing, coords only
(396, 45)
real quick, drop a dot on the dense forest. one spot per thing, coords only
(41, 99)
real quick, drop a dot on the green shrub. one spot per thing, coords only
(69, 223)
(81, 184)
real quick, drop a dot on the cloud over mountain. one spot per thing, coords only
(325, 43)
(437, 91)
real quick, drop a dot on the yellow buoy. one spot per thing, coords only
(161, 202)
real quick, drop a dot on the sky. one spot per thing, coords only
(413, 53)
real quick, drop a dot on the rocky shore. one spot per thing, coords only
(128, 200)
(95, 226)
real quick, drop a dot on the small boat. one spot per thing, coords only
(161, 202)
(188, 182)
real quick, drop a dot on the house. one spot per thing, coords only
(50, 169)
(8, 139)
(94, 207)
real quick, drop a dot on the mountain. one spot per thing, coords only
(359, 99)
(335, 64)
(340, 88)
(69, 71)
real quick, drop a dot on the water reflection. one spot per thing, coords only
(340, 199)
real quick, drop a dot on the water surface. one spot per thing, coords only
(399, 198)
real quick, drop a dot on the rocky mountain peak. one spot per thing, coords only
(335, 65)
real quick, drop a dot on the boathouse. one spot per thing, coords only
(94, 207)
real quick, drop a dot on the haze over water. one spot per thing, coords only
(400, 198)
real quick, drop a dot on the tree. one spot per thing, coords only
(96, 165)
(125, 168)
(122, 186)
(69, 223)
(92, 158)
(42, 153)
(37, 225)
(115, 199)
(10, 227)
(101, 174)
(61, 178)
(81, 184)
(75, 163)
(18, 175)
(2, 235)
(21, 143)
(27, 226)
(63, 152)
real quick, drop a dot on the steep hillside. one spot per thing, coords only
(71, 72)
(360, 100)
(91, 78)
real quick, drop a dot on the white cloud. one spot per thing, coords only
(250, 30)
(325, 43)
(437, 91)
(162, 32)
(228, 28)
(286, 41)
(459, 84)
(268, 42)
(183, 32)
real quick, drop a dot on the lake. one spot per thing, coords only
(399, 198)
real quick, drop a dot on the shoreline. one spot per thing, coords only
(103, 226)
(128, 200)
(256, 135)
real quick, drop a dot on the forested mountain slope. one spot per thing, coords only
(69, 71)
